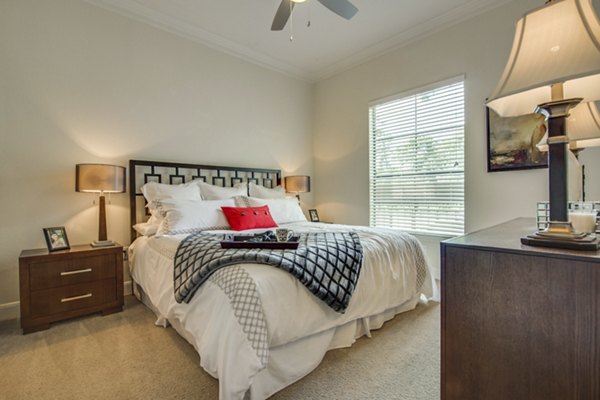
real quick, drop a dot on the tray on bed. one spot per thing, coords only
(244, 242)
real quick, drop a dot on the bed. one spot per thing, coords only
(256, 328)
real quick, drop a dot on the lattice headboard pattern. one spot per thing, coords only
(142, 172)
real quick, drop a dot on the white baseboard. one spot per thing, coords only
(12, 310)
(9, 311)
(127, 288)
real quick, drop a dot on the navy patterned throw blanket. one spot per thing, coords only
(327, 263)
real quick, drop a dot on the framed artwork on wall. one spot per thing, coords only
(512, 142)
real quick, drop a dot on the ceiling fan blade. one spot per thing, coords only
(343, 8)
(282, 15)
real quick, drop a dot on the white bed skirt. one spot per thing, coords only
(280, 373)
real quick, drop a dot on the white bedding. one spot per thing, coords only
(299, 327)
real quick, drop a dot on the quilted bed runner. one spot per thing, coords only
(327, 263)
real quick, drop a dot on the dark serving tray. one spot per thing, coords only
(242, 242)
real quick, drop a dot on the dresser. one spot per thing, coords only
(518, 322)
(64, 284)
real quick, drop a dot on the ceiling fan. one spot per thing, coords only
(343, 8)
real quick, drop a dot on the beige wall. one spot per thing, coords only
(81, 84)
(477, 48)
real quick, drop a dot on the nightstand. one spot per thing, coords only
(65, 284)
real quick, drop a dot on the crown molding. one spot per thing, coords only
(142, 13)
(411, 35)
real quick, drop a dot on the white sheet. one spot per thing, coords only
(298, 324)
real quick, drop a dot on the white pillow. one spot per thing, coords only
(185, 216)
(212, 192)
(266, 193)
(146, 228)
(156, 215)
(153, 191)
(282, 210)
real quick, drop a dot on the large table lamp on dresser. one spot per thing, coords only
(101, 179)
(520, 309)
(554, 65)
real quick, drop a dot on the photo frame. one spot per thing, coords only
(511, 142)
(314, 215)
(56, 238)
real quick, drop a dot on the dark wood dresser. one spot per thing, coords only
(518, 322)
(70, 283)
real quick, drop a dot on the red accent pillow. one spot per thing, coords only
(241, 218)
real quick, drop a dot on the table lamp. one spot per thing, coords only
(583, 128)
(100, 178)
(553, 66)
(297, 184)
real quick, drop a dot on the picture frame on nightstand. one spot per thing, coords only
(56, 238)
(314, 216)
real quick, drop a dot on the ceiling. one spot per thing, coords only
(331, 44)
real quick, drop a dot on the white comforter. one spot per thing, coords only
(297, 323)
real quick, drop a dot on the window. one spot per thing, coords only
(416, 143)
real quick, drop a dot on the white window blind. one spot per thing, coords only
(417, 161)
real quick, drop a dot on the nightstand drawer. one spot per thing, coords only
(69, 283)
(67, 298)
(53, 274)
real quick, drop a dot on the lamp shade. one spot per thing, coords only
(558, 43)
(297, 184)
(99, 178)
(583, 128)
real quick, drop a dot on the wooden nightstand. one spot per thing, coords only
(70, 283)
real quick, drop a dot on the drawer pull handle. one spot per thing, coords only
(83, 296)
(79, 271)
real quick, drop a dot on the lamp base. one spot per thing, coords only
(581, 241)
(102, 243)
(561, 230)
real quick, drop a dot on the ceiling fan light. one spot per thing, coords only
(298, 1)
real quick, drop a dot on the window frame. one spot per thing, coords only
(372, 153)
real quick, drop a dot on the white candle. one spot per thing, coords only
(583, 221)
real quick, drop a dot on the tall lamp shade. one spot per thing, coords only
(297, 184)
(553, 66)
(583, 128)
(100, 178)
(555, 44)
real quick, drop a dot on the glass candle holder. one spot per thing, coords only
(583, 218)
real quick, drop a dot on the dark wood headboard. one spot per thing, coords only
(142, 172)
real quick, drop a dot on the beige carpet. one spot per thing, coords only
(124, 356)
